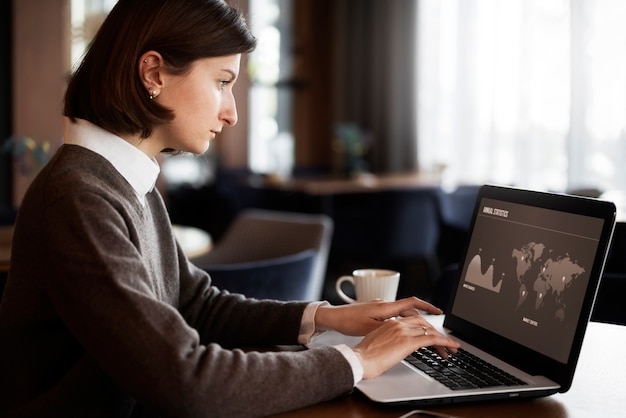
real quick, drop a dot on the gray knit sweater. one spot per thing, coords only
(104, 316)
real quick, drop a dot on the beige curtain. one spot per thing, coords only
(376, 76)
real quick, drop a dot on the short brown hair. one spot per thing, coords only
(106, 89)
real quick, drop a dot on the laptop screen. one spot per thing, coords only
(526, 273)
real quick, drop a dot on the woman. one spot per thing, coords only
(103, 315)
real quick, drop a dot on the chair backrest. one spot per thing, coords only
(391, 224)
(457, 206)
(280, 278)
(396, 229)
(457, 209)
(608, 306)
(259, 234)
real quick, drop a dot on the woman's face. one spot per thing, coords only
(202, 101)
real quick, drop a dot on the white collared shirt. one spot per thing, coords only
(139, 170)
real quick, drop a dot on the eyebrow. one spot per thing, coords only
(231, 72)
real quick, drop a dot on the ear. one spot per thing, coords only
(150, 72)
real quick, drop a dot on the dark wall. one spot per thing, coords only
(5, 102)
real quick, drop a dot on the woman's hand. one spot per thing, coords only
(362, 318)
(395, 339)
(392, 330)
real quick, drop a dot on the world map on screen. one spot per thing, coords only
(541, 275)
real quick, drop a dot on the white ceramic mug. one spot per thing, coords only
(370, 284)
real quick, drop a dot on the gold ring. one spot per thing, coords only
(425, 331)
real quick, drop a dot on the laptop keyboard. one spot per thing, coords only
(461, 370)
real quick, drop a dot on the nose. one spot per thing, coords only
(229, 111)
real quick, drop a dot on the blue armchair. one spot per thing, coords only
(281, 278)
(272, 254)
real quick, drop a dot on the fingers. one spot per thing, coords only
(410, 306)
(430, 336)
(362, 318)
(395, 339)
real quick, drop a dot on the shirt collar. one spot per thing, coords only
(139, 170)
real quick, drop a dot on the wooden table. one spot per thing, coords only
(597, 390)
(324, 186)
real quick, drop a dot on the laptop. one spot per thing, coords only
(525, 292)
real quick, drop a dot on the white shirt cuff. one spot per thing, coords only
(307, 325)
(353, 359)
(307, 333)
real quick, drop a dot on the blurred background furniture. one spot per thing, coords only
(405, 221)
(396, 229)
(364, 182)
(456, 209)
(609, 305)
(280, 246)
(282, 278)
(195, 242)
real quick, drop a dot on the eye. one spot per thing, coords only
(224, 83)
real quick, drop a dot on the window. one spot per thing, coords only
(270, 138)
(87, 16)
(524, 92)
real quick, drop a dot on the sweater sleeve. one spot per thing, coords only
(231, 319)
(169, 341)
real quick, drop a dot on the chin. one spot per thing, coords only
(202, 149)
(199, 147)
